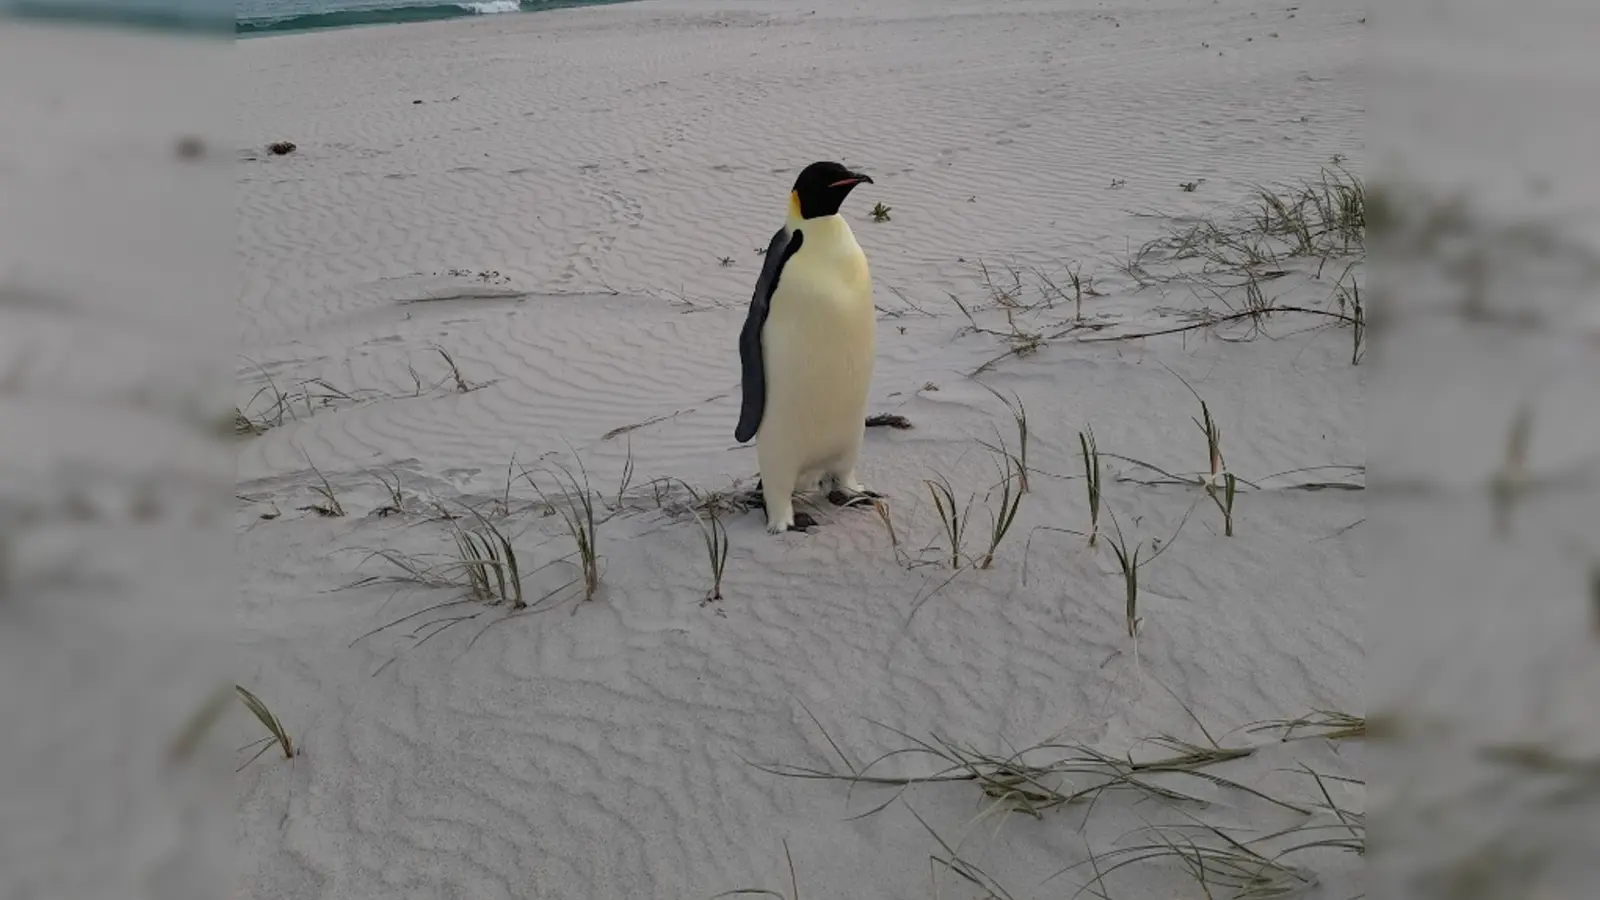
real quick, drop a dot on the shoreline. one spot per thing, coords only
(341, 19)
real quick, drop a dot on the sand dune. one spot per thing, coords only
(572, 213)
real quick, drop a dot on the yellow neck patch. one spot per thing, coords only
(794, 205)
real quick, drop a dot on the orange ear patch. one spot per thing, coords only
(794, 205)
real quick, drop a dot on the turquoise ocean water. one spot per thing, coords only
(259, 16)
(247, 18)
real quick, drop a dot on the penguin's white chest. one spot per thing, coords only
(818, 344)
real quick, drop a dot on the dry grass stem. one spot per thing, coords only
(1321, 723)
(1043, 776)
(278, 734)
(794, 884)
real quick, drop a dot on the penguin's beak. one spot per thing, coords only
(854, 179)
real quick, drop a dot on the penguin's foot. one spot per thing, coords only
(861, 497)
(791, 521)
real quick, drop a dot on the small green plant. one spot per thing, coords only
(578, 513)
(951, 517)
(714, 535)
(278, 734)
(488, 562)
(1348, 296)
(330, 506)
(1077, 291)
(880, 213)
(716, 538)
(1091, 477)
(1010, 502)
(1213, 433)
(1129, 561)
(243, 424)
(1256, 303)
(462, 384)
(724, 261)
(483, 563)
(627, 474)
(1019, 415)
(1225, 502)
(397, 500)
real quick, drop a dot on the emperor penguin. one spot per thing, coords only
(807, 350)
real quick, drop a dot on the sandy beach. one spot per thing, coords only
(515, 243)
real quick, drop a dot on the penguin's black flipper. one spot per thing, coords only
(753, 378)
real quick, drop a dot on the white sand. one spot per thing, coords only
(597, 164)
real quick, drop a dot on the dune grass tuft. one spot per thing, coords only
(1280, 231)
(1213, 434)
(243, 424)
(1230, 485)
(1091, 477)
(1056, 774)
(330, 505)
(482, 563)
(397, 500)
(1019, 415)
(1012, 487)
(271, 406)
(577, 512)
(1347, 296)
(952, 517)
(627, 475)
(714, 535)
(1129, 561)
(462, 385)
(488, 562)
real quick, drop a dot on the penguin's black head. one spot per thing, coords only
(821, 188)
